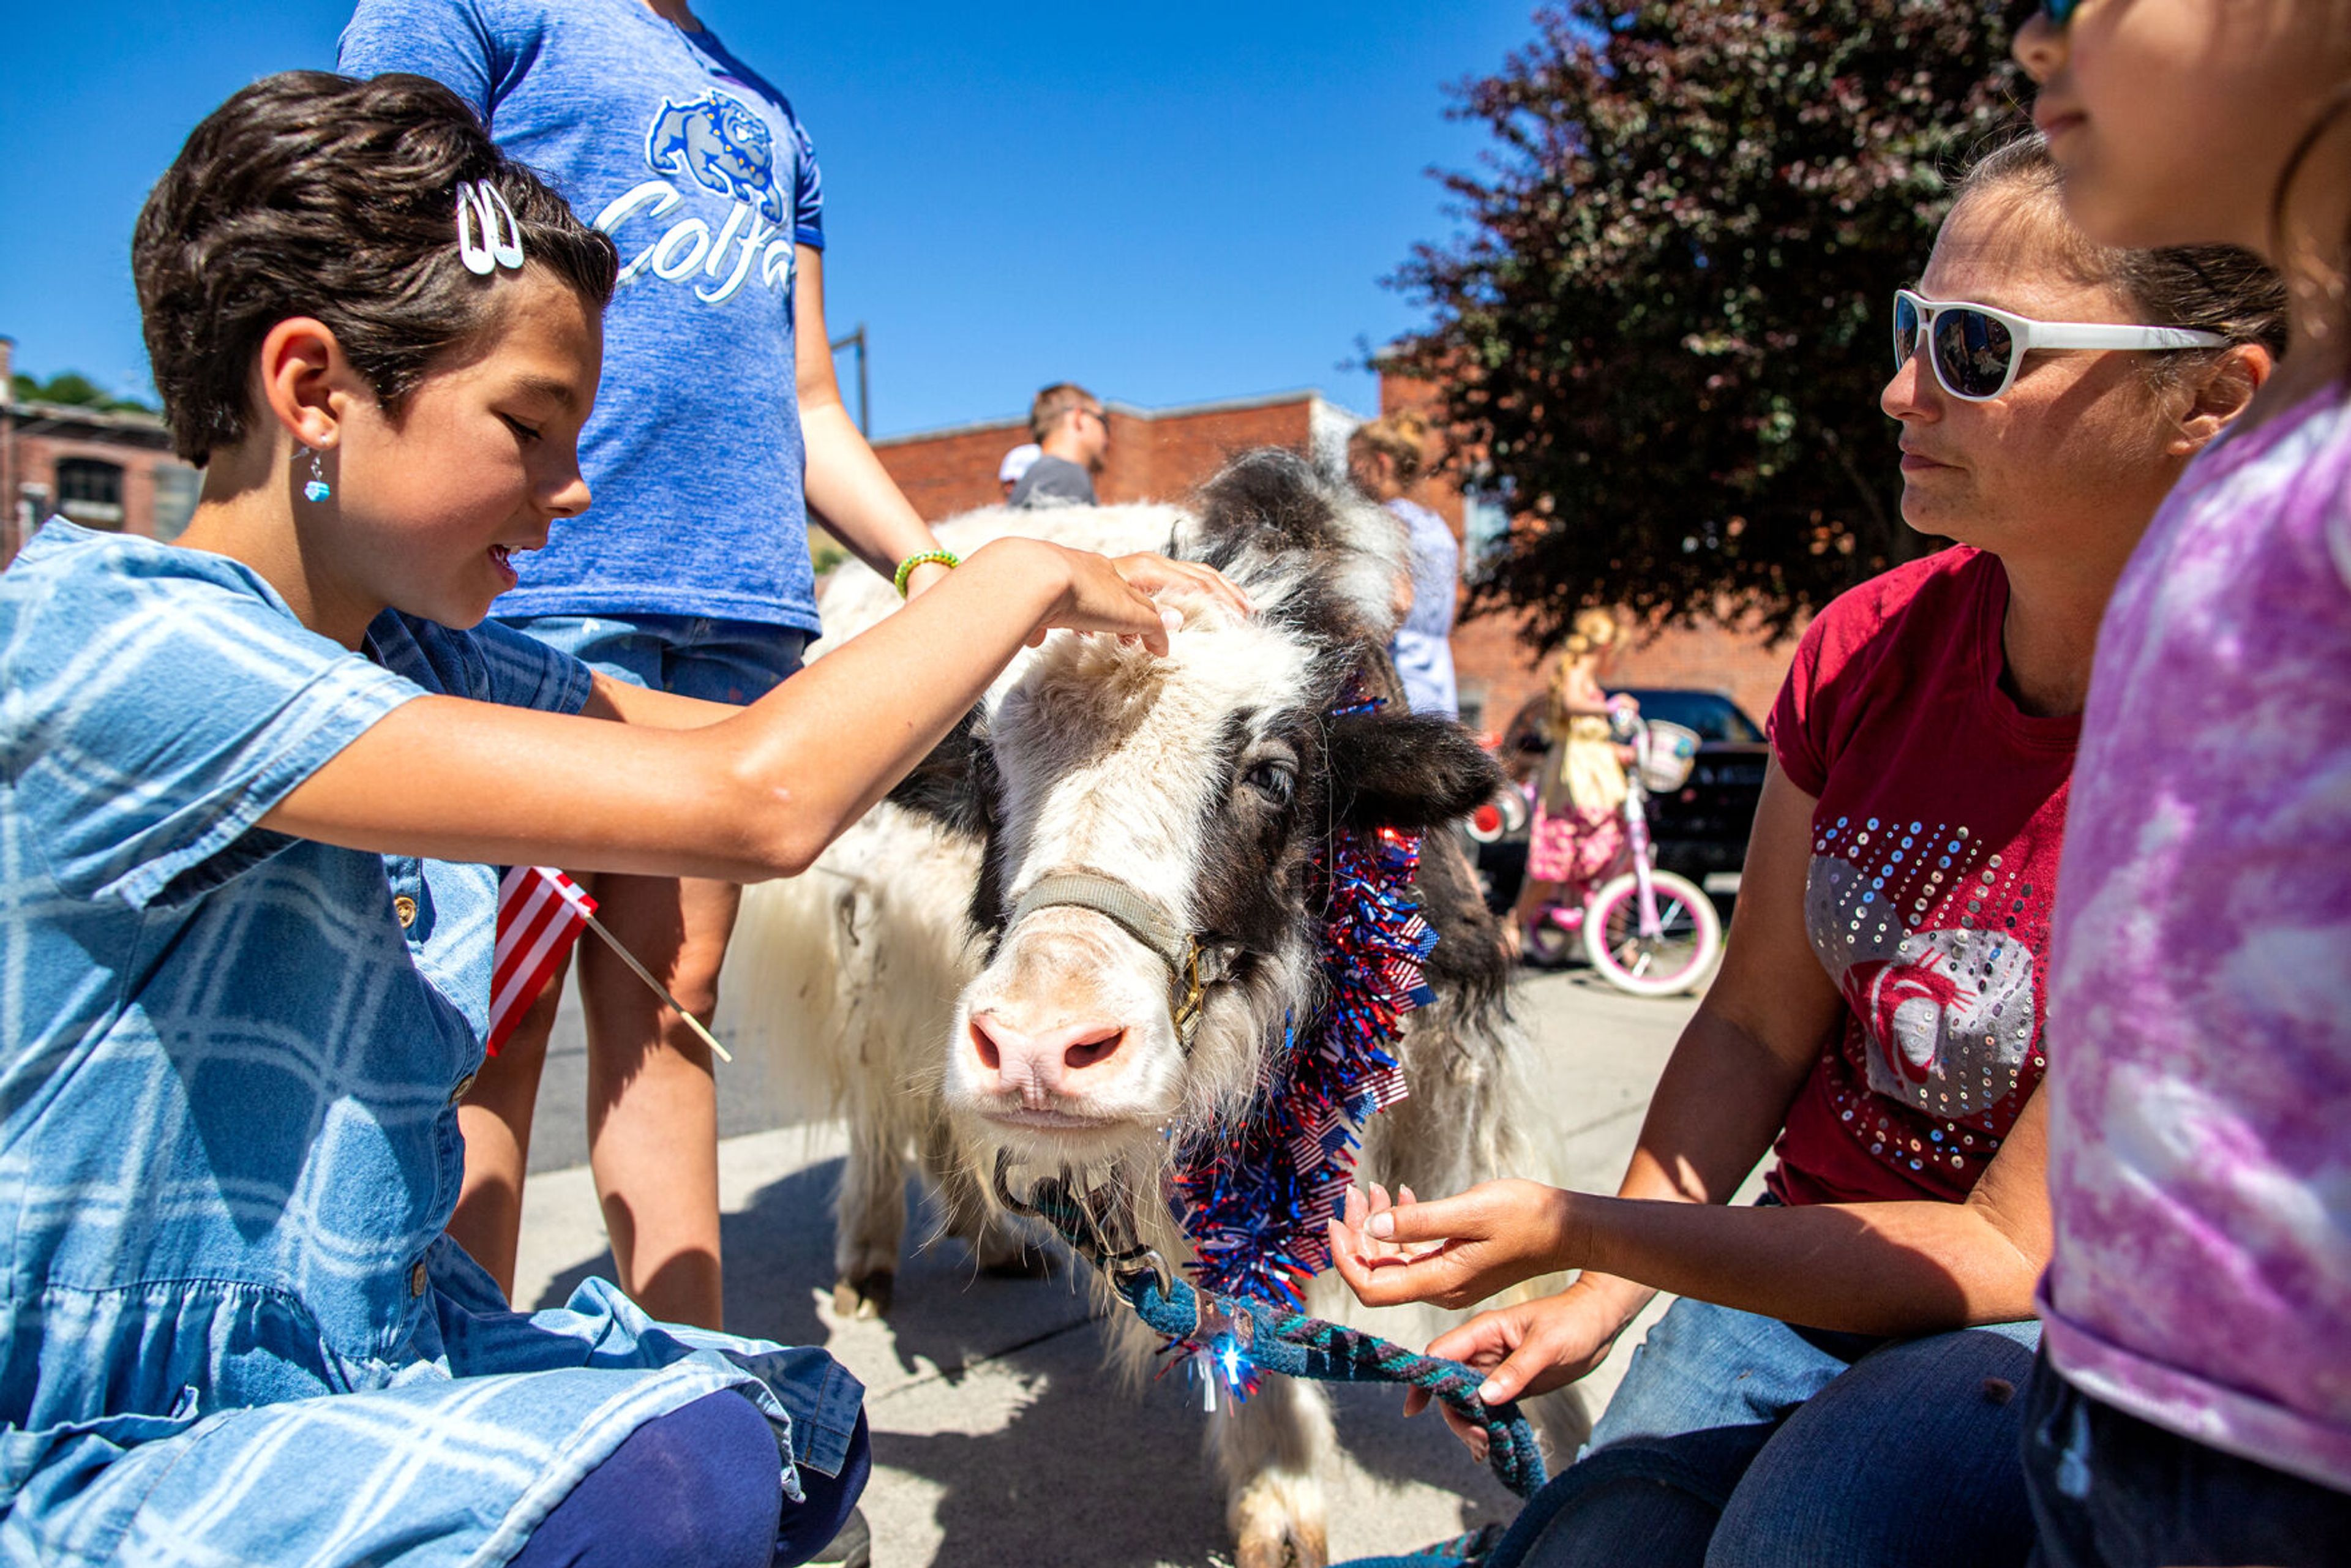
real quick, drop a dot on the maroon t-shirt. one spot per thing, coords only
(1934, 860)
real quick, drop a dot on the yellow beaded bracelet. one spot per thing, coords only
(946, 558)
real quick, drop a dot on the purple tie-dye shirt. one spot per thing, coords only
(2200, 1009)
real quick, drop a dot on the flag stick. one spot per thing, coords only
(659, 990)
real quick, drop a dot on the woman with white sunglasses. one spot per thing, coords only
(1835, 1384)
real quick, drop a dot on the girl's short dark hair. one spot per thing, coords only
(313, 194)
(2213, 287)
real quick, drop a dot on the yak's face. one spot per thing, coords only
(1200, 784)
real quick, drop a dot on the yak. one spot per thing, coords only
(982, 966)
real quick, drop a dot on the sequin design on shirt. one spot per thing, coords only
(1932, 941)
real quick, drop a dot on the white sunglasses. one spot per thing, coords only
(1976, 349)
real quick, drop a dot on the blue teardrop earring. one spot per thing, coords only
(317, 489)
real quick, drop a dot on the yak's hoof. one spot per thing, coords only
(1278, 1521)
(1299, 1548)
(868, 1297)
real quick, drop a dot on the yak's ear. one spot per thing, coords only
(953, 785)
(1413, 770)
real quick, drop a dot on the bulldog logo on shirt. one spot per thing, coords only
(720, 144)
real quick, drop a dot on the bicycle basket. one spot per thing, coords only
(1667, 753)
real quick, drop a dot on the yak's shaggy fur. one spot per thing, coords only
(1162, 772)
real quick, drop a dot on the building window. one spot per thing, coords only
(91, 492)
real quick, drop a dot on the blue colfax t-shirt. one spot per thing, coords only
(697, 167)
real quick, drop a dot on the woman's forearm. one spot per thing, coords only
(1721, 1101)
(1870, 1268)
(852, 492)
(846, 485)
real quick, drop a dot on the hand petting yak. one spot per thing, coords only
(1095, 928)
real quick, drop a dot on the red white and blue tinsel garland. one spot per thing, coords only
(1254, 1200)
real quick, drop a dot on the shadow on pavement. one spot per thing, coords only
(1079, 1473)
(949, 1316)
(1396, 1452)
(1084, 1472)
(1067, 1467)
(776, 1250)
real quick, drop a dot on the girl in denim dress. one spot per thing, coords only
(252, 789)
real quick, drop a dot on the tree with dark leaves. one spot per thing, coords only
(1660, 340)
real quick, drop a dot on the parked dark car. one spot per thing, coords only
(1700, 831)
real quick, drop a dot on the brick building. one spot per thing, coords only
(111, 471)
(1153, 453)
(1158, 453)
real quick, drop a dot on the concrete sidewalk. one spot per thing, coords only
(998, 1440)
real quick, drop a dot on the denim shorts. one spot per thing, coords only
(1739, 1441)
(736, 661)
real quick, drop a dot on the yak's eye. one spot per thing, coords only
(1274, 779)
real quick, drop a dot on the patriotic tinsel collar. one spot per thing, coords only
(1254, 1199)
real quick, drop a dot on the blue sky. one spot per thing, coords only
(1170, 203)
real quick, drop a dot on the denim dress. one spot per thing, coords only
(231, 1329)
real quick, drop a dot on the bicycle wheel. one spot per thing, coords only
(1667, 964)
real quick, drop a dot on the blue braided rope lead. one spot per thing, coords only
(1297, 1345)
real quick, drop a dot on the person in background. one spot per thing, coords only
(1576, 835)
(2193, 1400)
(718, 430)
(1072, 432)
(1837, 1383)
(1386, 459)
(1017, 462)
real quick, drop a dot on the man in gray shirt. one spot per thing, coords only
(1072, 427)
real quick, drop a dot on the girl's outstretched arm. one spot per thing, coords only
(757, 794)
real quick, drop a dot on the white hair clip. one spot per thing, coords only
(483, 241)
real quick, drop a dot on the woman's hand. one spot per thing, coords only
(1454, 1251)
(1530, 1348)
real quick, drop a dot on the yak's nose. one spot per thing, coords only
(1041, 1066)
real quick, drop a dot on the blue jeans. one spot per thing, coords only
(2110, 1490)
(736, 661)
(1737, 1441)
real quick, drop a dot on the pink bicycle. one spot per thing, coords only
(1645, 931)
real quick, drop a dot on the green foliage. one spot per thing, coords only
(74, 390)
(1662, 333)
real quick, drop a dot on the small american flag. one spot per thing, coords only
(541, 913)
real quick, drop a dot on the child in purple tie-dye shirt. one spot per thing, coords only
(2194, 1405)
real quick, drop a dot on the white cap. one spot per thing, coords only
(1017, 462)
